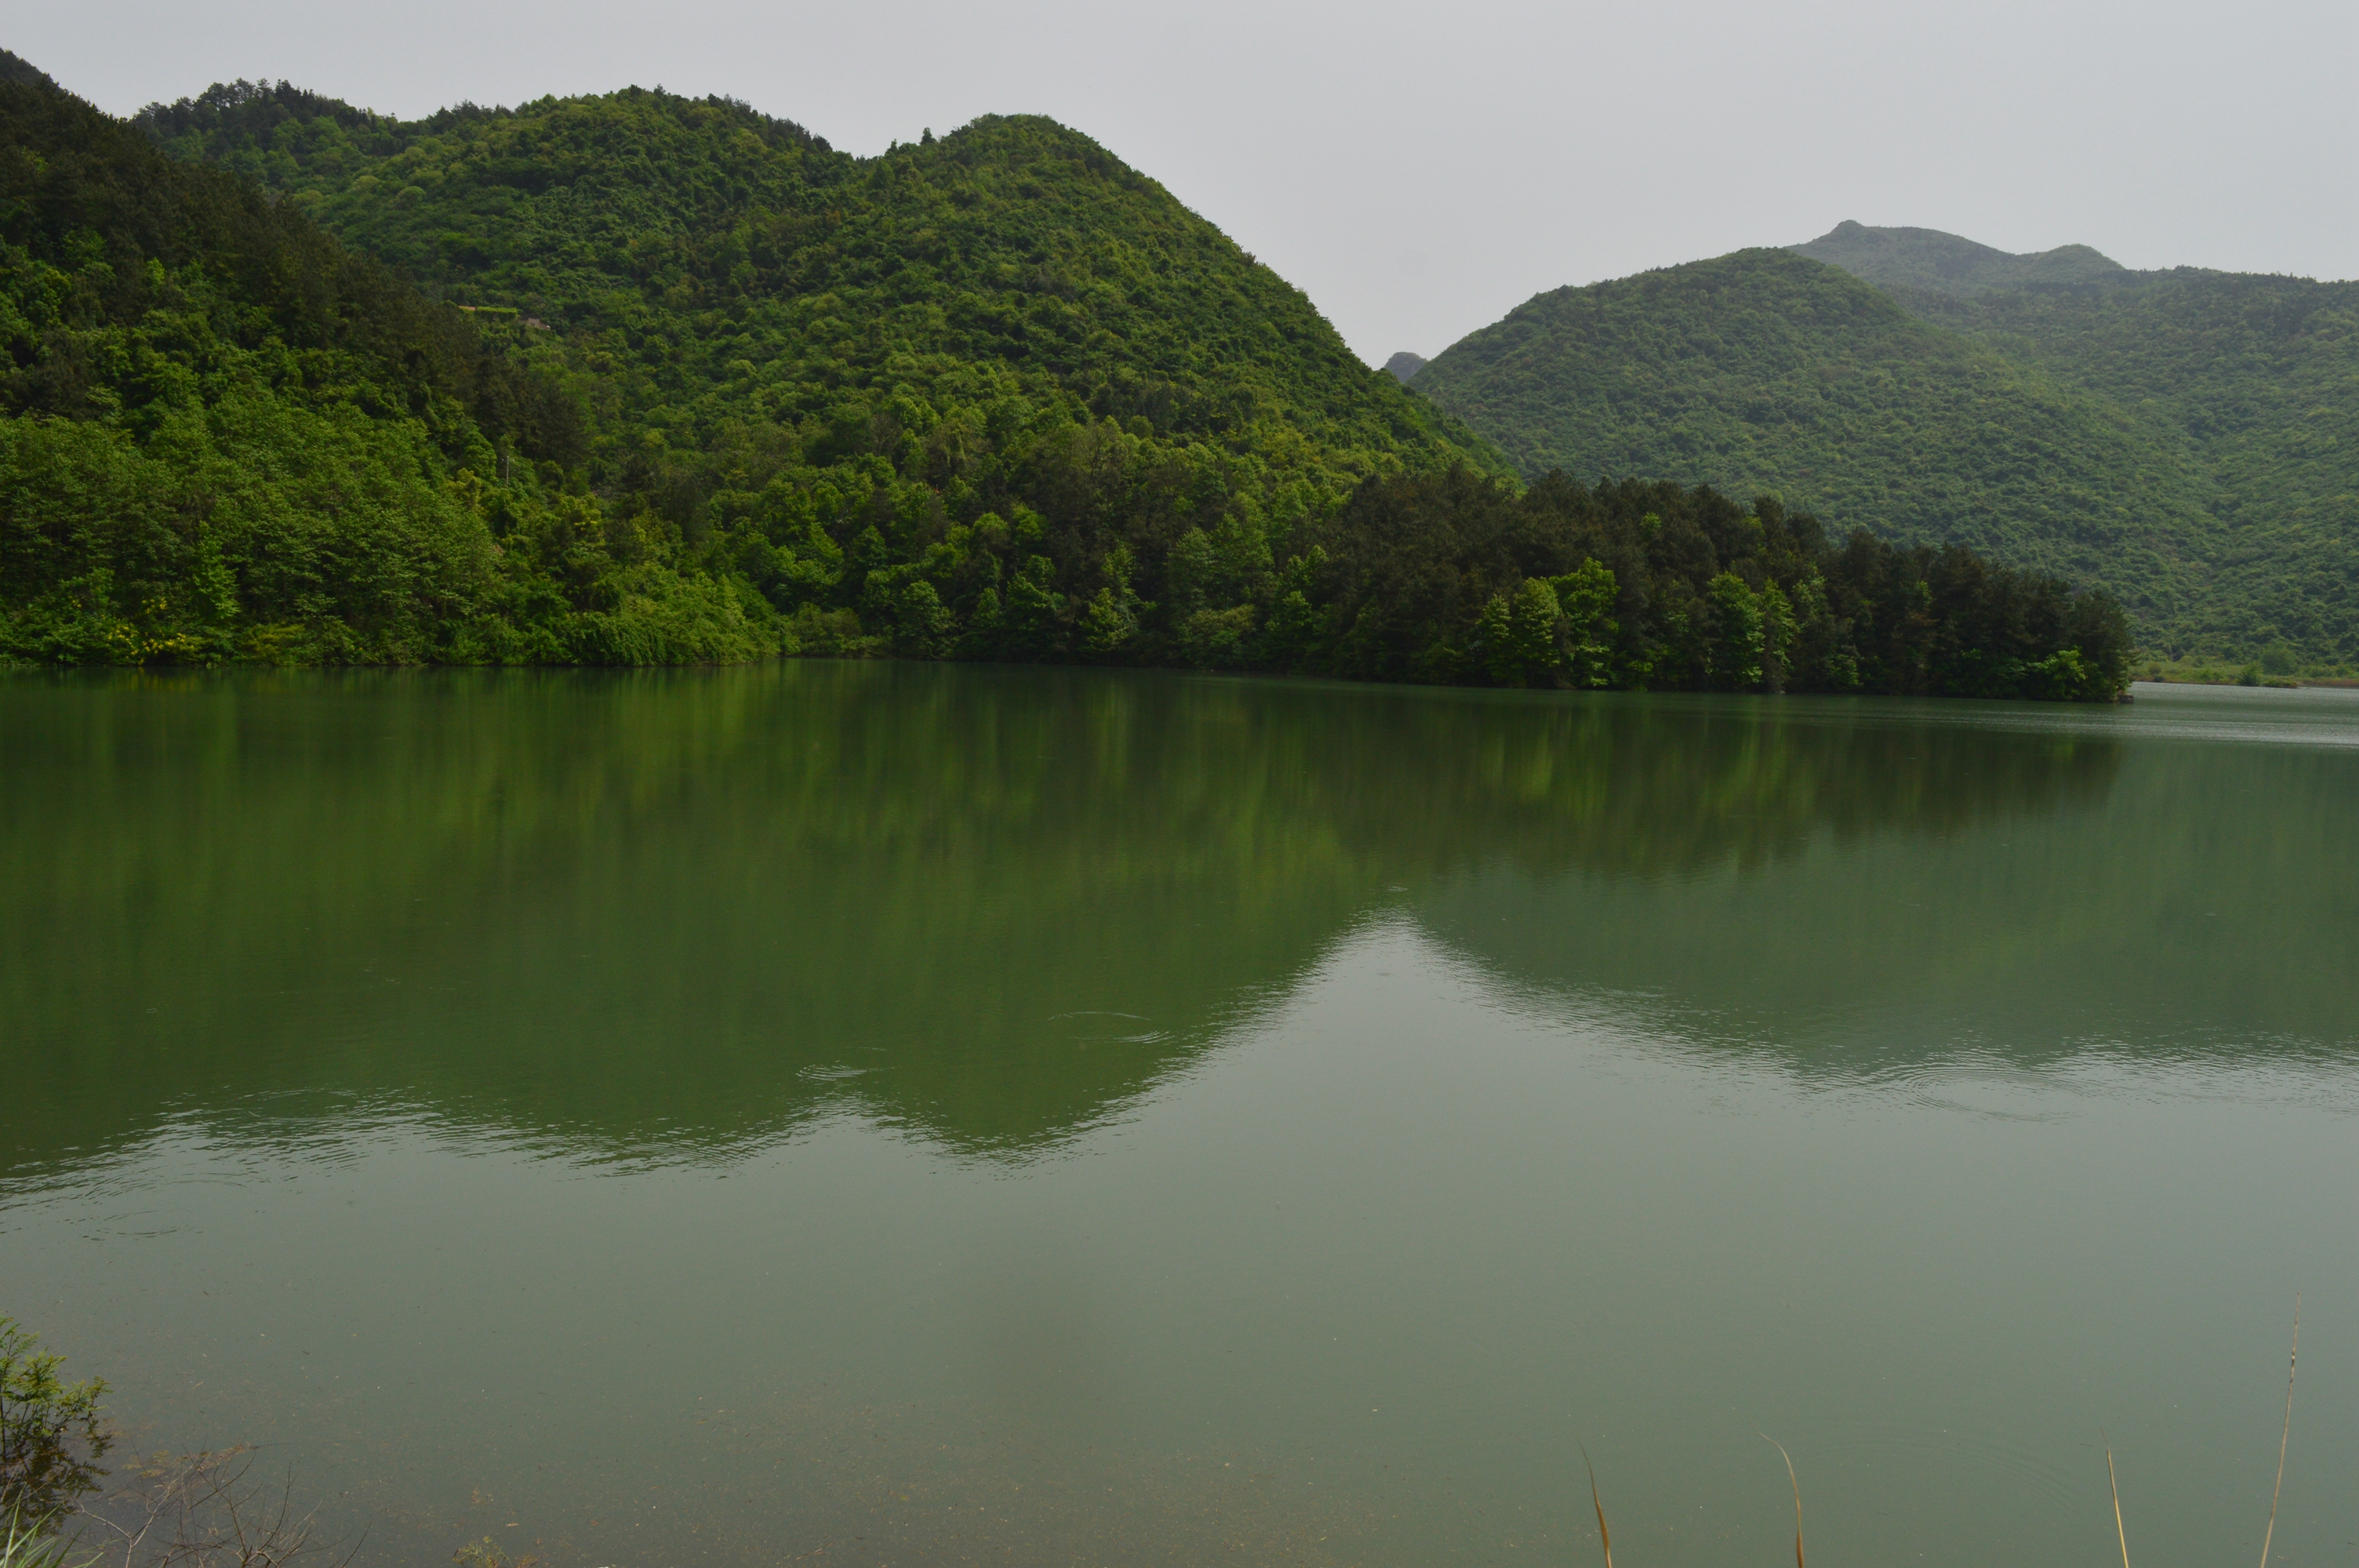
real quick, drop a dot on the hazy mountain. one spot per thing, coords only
(1929, 259)
(1765, 372)
(1404, 365)
(2188, 439)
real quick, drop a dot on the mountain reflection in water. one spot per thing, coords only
(941, 1113)
(671, 913)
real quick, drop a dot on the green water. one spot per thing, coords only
(914, 1115)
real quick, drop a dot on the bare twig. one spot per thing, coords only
(2114, 1487)
(200, 1512)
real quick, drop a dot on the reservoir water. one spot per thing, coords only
(900, 1114)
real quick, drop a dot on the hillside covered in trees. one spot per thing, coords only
(641, 378)
(2251, 380)
(229, 437)
(2184, 439)
(737, 302)
(16, 68)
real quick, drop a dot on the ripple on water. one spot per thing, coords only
(1992, 1090)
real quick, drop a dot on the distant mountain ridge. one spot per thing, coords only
(2188, 439)
(1765, 372)
(1948, 264)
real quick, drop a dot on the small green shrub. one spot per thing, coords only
(51, 1438)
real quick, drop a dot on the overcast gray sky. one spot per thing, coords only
(1420, 170)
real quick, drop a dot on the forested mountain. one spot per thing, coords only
(996, 394)
(971, 393)
(16, 68)
(643, 378)
(2189, 440)
(1014, 256)
(2255, 378)
(742, 302)
(1898, 259)
(1765, 372)
(227, 437)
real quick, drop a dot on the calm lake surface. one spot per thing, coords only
(906, 1114)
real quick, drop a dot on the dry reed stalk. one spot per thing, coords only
(1603, 1538)
(2114, 1487)
(1797, 1493)
(2291, 1357)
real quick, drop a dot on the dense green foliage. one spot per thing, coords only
(2250, 381)
(50, 1435)
(686, 240)
(1765, 372)
(2187, 440)
(1650, 585)
(1037, 409)
(16, 68)
(698, 386)
(227, 437)
(970, 395)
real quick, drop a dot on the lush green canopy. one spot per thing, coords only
(2250, 385)
(2185, 439)
(722, 276)
(684, 383)
(228, 436)
(1640, 586)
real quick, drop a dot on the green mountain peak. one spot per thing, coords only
(697, 386)
(1011, 247)
(1949, 264)
(2187, 440)
(1764, 371)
